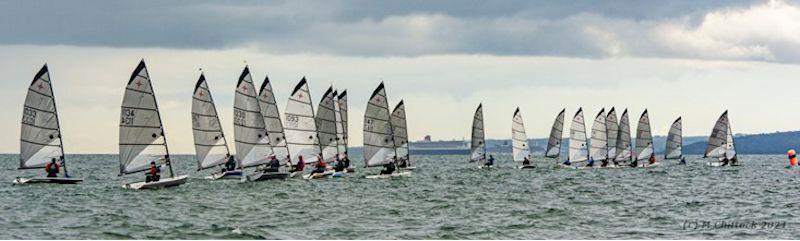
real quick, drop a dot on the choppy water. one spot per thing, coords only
(446, 198)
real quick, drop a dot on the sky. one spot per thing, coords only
(693, 59)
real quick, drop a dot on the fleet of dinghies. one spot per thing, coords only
(279, 148)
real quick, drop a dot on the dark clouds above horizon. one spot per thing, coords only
(587, 29)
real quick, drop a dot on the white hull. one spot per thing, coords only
(52, 180)
(163, 183)
(650, 165)
(318, 175)
(485, 167)
(235, 174)
(527, 167)
(396, 174)
(263, 176)
(407, 168)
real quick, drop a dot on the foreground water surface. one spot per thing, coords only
(446, 198)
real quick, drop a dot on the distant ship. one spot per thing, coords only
(428, 147)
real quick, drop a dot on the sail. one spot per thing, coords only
(730, 151)
(272, 121)
(341, 103)
(624, 138)
(612, 128)
(400, 131)
(141, 133)
(717, 141)
(326, 126)
(379, 148)
(644, 139)
(477, 148)
(519, 141)
(578, 151)
(211, 148)
(300, 126)
(40, 139)
(554, 142)
(252, 139)
(598, 148)
(337, 111)
(674, 141)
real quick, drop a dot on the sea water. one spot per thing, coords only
(446, 198)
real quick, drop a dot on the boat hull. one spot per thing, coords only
(235, 174)
(318, 175)
(50, 180)
(163, 183)
(527, 167)
(396, 174)
(263, 176)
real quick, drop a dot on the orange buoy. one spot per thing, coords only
(792, 157)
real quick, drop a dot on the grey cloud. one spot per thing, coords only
(588, 29)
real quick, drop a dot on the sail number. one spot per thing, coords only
(127, 116)
(292, 120)
(29, 116)
(368, 124)
(238, 117)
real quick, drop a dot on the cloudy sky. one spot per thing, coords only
(679, 58)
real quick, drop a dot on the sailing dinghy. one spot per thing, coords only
(379, 146)
(341, 105)
(598, 147)
(612, 128)
(211, 147)
(645, 156)
(720, 144)
(578, 151)
(275, 134)
(327, 129)
(674, 146)
(253, 149)
(623, 156)
(554, 141)
(141, 133)
(400, 132)
(300, 128)
(520, 151)
(477, 147)
(40, 139)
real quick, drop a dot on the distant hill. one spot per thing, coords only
(769, 143)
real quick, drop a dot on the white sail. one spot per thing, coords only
(730, 151)
(341, 103)
(272, 121)
(519, 140)
(40, 138)
(141, 133)
(718, 140)
(379, 148)
(326, 126)
(554, 142)
(400, 131)
(674, 141)
(250, 133)
(478, 144)
(300, 126)
(612, 128)
(644, 139)
(578, 151)
(211, 147)
(624, 139)
(598, 148)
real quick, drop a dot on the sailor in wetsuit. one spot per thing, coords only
(489, 162)
(230, 164)
(154, 174)
(526, 161)
(388, 168)
(274, 165)
(52, 168)
(339, 167)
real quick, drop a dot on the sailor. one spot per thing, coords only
(320, 166)
(230, 165)
(153, 175)
(683, 161)
(401, 162)
(339, 167)
(591, 162)
(566, 163)
(634, 163)
(51, 168)
(604, 163)
(388, 168)
(526, 161)
(652, 159)
(724, 160)
(346, 160)
(490, 161)
(792, 158)
(274, 165)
